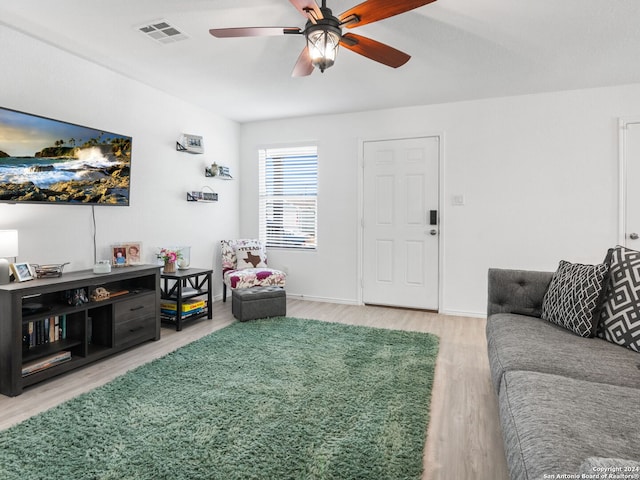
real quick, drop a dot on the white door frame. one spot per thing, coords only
(622, 176)
(441, 207)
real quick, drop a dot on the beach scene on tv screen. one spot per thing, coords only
(51, 161)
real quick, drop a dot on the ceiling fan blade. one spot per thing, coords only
(303, 67)
(374, 50)
(307, 6)
(253, 31)
(373, 10)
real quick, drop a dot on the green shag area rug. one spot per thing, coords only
(279, 398)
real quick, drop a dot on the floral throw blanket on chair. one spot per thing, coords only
(244, 265)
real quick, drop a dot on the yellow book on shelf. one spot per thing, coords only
(186, 306)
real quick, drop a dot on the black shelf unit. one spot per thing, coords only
(183, 285)
(94, 330)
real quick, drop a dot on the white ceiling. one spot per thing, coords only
(461, 50)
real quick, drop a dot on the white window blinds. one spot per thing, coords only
(289, 197)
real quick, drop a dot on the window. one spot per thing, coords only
(289, 197)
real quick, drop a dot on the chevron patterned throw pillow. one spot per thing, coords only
(574, 297)
(620, 315)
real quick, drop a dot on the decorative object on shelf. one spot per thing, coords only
(8, 248)
(190, 143)
(211, 171)
(202, 196)
(170, 256)
(218, 171)
(22, 271)
(134, 253)
(185, 258)
(119, 255)
(99, 294)
(102, 266)
(51, 270)
(125, 254)
(76, 297)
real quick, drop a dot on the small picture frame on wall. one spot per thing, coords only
(119, 256)
(22, 272)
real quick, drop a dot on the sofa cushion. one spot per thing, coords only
(551, 424)
(574, 297)
(517, 291)
(620, 314)
(518, 342)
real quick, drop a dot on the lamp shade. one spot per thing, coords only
(8, 243)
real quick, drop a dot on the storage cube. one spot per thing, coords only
(258, 302)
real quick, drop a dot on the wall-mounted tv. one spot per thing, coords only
(49, 161)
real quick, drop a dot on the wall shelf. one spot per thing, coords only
(207, 173)
(200, 196)
(190, 143)
(218, 171)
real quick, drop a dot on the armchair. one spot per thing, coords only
(244, 265)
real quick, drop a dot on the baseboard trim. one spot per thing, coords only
(459, 313)
(312, 298)
(346, 301)
(299, 296)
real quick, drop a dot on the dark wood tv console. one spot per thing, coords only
(43, 333)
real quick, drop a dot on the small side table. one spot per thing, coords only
(184, 285)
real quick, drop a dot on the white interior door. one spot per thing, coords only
(400, 222)
(631, 149)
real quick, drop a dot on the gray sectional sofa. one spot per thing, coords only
(569, 406)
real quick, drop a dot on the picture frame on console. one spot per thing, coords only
(22, 272)
(119, 255)
(134, 253)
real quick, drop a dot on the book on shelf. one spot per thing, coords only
(56, 328)
(189, 291)
(45, 362)
(42, 332)
(171, 314)
(187, 306)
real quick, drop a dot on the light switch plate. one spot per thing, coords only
(458, 200)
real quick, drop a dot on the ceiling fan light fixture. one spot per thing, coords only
(323, 42)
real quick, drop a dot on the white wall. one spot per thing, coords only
(539, 174)
(37, 78)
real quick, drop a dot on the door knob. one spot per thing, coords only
(634, 236)
(433, 231)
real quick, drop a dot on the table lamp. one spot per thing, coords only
(8, 248)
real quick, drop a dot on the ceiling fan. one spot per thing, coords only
(323, 32)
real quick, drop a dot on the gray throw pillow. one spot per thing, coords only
(574, 297)
(620, 314)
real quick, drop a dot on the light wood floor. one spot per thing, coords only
(463, 441)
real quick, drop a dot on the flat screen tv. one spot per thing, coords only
(46, 161)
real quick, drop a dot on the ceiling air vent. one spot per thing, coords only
(162, 31)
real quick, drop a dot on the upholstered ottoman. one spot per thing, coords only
(258, 302)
